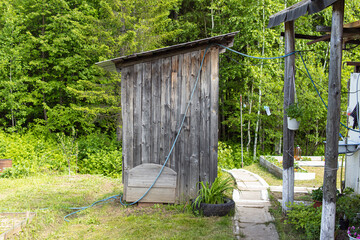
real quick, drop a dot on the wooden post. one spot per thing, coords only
(288, 135)
(333, 124)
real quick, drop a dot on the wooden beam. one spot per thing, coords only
(348, 38)
(302, 36)
(356, 66)
(345, 30)
(288, 135)
(353, 25)
(333, 124)
(323, 29)
(322, 38)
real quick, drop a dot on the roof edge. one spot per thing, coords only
(225, 39)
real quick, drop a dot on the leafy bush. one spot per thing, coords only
(306, 219)
(108, 163)
(317, 194)
(100, 154)
(30, 154)
(33, 153)
(348, 205)
(229, 156)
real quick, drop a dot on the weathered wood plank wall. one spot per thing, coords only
(154, 97)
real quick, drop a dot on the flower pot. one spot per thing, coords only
(317, 204)
(351, 238)
(216, 209)
(293, 124)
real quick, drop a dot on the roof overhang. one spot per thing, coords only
(113, 64)
(297, 10)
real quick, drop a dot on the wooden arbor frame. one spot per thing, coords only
(333, 116)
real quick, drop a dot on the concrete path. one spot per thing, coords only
(252, 219)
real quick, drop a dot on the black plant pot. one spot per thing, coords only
(209, 210)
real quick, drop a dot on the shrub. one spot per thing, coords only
(100, 154)
(306, 219)
(33, 153)
(30, 154)
(229, 155)
(348, 206)
(317, 194)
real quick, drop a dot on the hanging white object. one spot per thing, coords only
(267, 109)
(293, 124)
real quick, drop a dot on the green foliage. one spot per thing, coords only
(100, 154)
(317, 194)
(348, 206)
(294, 111)
(69, 149)
(306, 219)
(214, 193)
(229, 155)
(36, 154)
(30, 154)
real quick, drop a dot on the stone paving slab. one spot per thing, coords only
(252, 219)
(251, 195)
(296, 189)
(254, 214)
(259, 231)
(249, 184)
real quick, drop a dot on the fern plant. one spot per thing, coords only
(214, 193)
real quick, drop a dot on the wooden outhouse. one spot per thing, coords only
(156, 87)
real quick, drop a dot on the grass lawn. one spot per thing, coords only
(274, 181)
(51, 196)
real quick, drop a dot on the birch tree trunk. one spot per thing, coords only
(249, 122)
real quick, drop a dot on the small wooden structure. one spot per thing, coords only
(156, 88)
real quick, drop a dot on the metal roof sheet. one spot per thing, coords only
(297, 10)
(225, 39)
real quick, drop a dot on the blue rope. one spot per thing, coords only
(318, 93)
(177, 135)
(83, 208)
(308, 73)
(262, 58)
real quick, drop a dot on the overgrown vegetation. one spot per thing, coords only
(39, 154)
(303, 220)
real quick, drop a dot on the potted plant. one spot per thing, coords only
(317, 196)
(353, 232)
(294, 113)
(212, 199)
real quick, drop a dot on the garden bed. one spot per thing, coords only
(12, 223)
(273, 165)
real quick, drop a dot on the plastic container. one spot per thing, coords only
(297, 153)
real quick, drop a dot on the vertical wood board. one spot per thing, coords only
(146, 114)
(137, 138)
(214, 100)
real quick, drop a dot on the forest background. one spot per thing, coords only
(60, 112)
